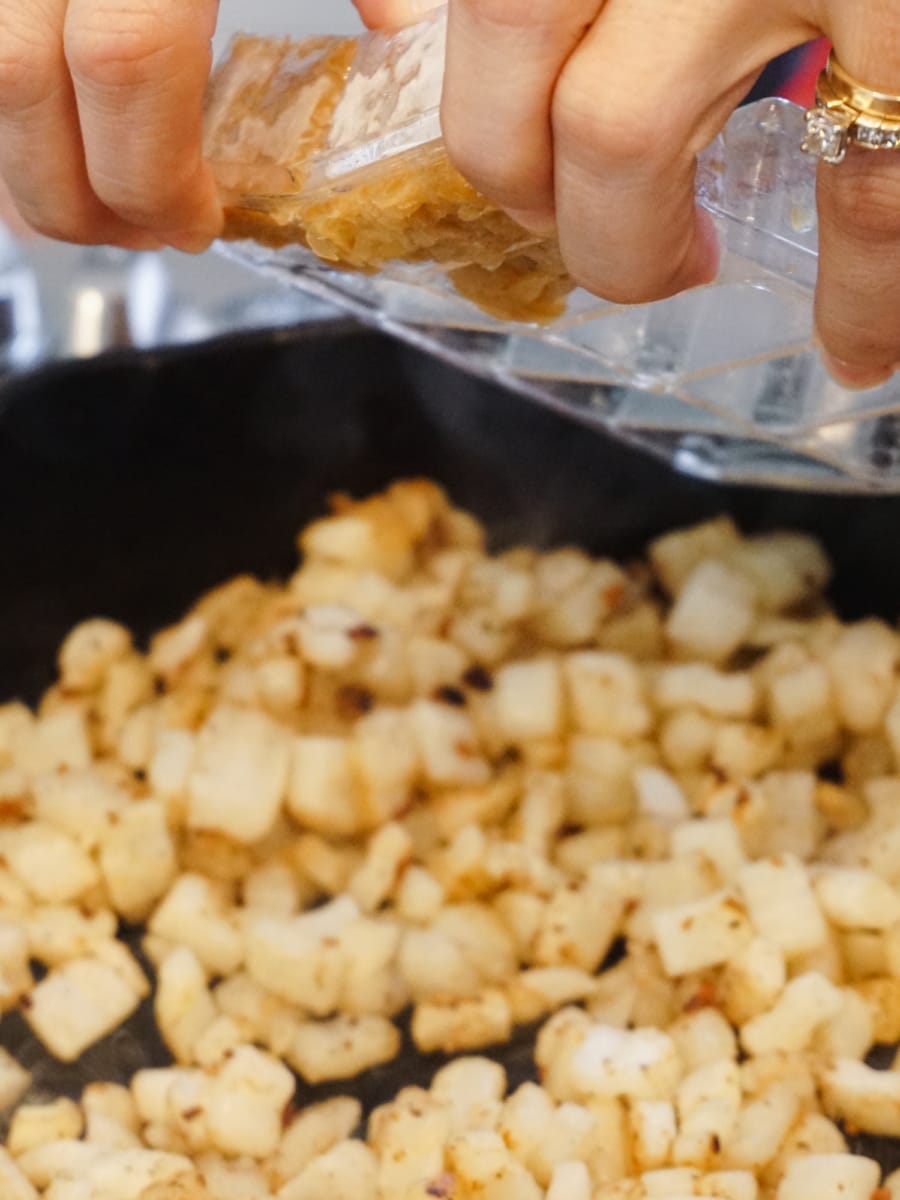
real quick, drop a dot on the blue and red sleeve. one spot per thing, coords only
(794, 75)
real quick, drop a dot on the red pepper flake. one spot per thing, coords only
(363, 633)
(354, 701)
(288, 1113)
(441, 1188)
(479, 678)
(614, 595)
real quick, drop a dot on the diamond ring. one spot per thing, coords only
(847, 112)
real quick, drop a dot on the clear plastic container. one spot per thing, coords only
(723, 382)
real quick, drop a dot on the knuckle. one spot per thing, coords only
(584, 129)
(24, 71)
(118, 48)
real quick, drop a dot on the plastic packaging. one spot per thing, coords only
(724, 381)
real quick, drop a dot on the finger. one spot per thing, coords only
(140, 72)
(503, 61)
(41, 154)
(394, 14)
(10, 216)
(858, 299)
(647, 89)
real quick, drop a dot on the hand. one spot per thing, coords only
(595, 129)
(100, 119)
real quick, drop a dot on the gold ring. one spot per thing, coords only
(845, 112)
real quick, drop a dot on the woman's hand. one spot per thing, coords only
(101, 107)
(588, 115)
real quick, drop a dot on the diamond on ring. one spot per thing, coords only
(826, 138)
(847, 111)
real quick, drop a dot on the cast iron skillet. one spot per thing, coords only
(130, 485)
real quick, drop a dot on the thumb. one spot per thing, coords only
(394, 14)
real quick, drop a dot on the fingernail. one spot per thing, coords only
(188, 242)
(854, 375)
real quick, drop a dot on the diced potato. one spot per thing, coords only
(472, 1091)
(313, 1132)
(77, 1004)
(349, 1171)
(52, 866)
(659, 796)
(389, 851)
(57, 740)
(713, 614)
(640, 1064)
(528, 699)
(448, 744)
(36, 1124)
(857, 898)
(322, 790)
(434, 964)
(245, 1103)
(729, 1185)
(82, 804)
(483, 1167)
(715, 838)
(761, 1128)
(13, 1184)
(194, 914)
(372, 982)
(184, 1008)
(125, 1174)
(800, 702)
(606, 695)
(578, 926)
(752, 981)
(807, 1002)
(777, 887)
(15, 1080)
(301, 959)
(674, 556)
(410, 1137)
(541, 990)
(386, 765)
(862, 665)
(600, 781)
(851, 1031)
(239, 775)
(460, 1024)
(830, 1177)
(15, 968)
(883, 999)
(703, 1037)
(703, 933)
(342, 1047)
(718, 694)
(861, 1097)
(654, 1128)
(419, 896)
(708, 1104)
(570, 1181)
(138, 860)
